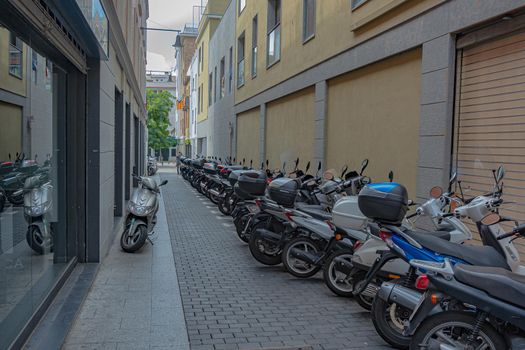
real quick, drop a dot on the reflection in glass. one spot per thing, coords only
(32, 173)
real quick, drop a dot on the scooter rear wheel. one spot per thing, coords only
(297, 267)
(262, 251)
(338, 281)
(36, 240)
(132, 243)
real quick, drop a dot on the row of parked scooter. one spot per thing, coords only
(425, 288)
(25, 182)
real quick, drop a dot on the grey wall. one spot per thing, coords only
(220, 113)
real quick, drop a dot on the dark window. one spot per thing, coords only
(240, 61)
(230, 74)
(357, 3)
(308, 19)
(222, 77)
(210, 87)
(242, 5)
(15, 56)
(215, 85)
(254, 47)
(273, 48)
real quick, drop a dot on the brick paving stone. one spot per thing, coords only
(232, 302)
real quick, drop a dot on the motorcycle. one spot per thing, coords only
(142, 214)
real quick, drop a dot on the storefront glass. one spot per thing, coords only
(33, 249)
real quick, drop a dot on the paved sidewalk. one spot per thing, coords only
(134, 302)
(232, 302)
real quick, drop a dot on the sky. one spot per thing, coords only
(167, 14)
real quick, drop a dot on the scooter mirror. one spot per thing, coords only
(267, 163)
(491, 219)
(436, 192)
(243, 161)
(364, 164)
(500, 174)
(344, 170)
(262, 165)
(453, 178)
(164, 182)
(307, 167)
(391, 176)
(319, 166)
(297, 162)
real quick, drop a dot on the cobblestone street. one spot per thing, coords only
(230, 301)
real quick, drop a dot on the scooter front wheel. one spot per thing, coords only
(38, 241)
(130, 243)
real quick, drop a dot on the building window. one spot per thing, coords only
(240, 61)
(215, 86)
(199, 100)
(210, 87)
(273, 53)
(308, 19)
(222, 77)
(230, 73)
(34, 66)
(15, 56)
(254, 47)
(356, 3)
(242, 5)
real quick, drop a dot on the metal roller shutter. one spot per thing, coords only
(490, 119)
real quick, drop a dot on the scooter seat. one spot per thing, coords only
(439, 234)
(474, 255)
(316, 212)
(499, 283)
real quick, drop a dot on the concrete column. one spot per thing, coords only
(262, 135)
(437, 112)
(321, 95)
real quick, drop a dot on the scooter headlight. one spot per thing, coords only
(139, 210)
(36, 210)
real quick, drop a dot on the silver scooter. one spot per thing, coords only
(38, 203)
(142, 214)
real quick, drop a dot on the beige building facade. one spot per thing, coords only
(402, 83)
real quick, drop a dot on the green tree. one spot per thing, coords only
(159, 104)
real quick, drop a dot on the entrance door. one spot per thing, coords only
(119, 144)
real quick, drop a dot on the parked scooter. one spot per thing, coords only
(152, 166)
(142, 214)
(38, 203)
(388, 313)
(469, 307)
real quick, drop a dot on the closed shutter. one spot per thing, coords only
(490, 119)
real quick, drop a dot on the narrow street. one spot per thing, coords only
(230, 301)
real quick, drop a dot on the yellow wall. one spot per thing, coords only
(11, 130)
(374, 113)
(7, 81)
(248, 136)
(335, 32)
(290, 129)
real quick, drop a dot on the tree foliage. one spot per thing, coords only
(159, 104)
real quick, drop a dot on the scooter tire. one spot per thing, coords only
(131, 247)
(254, 245)
(329, 269)
(456, 318)
(380, 318)
(16, 200)
(2, 202)
(288, 264)
(35, 242)
(362, 300)
(224, 205)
